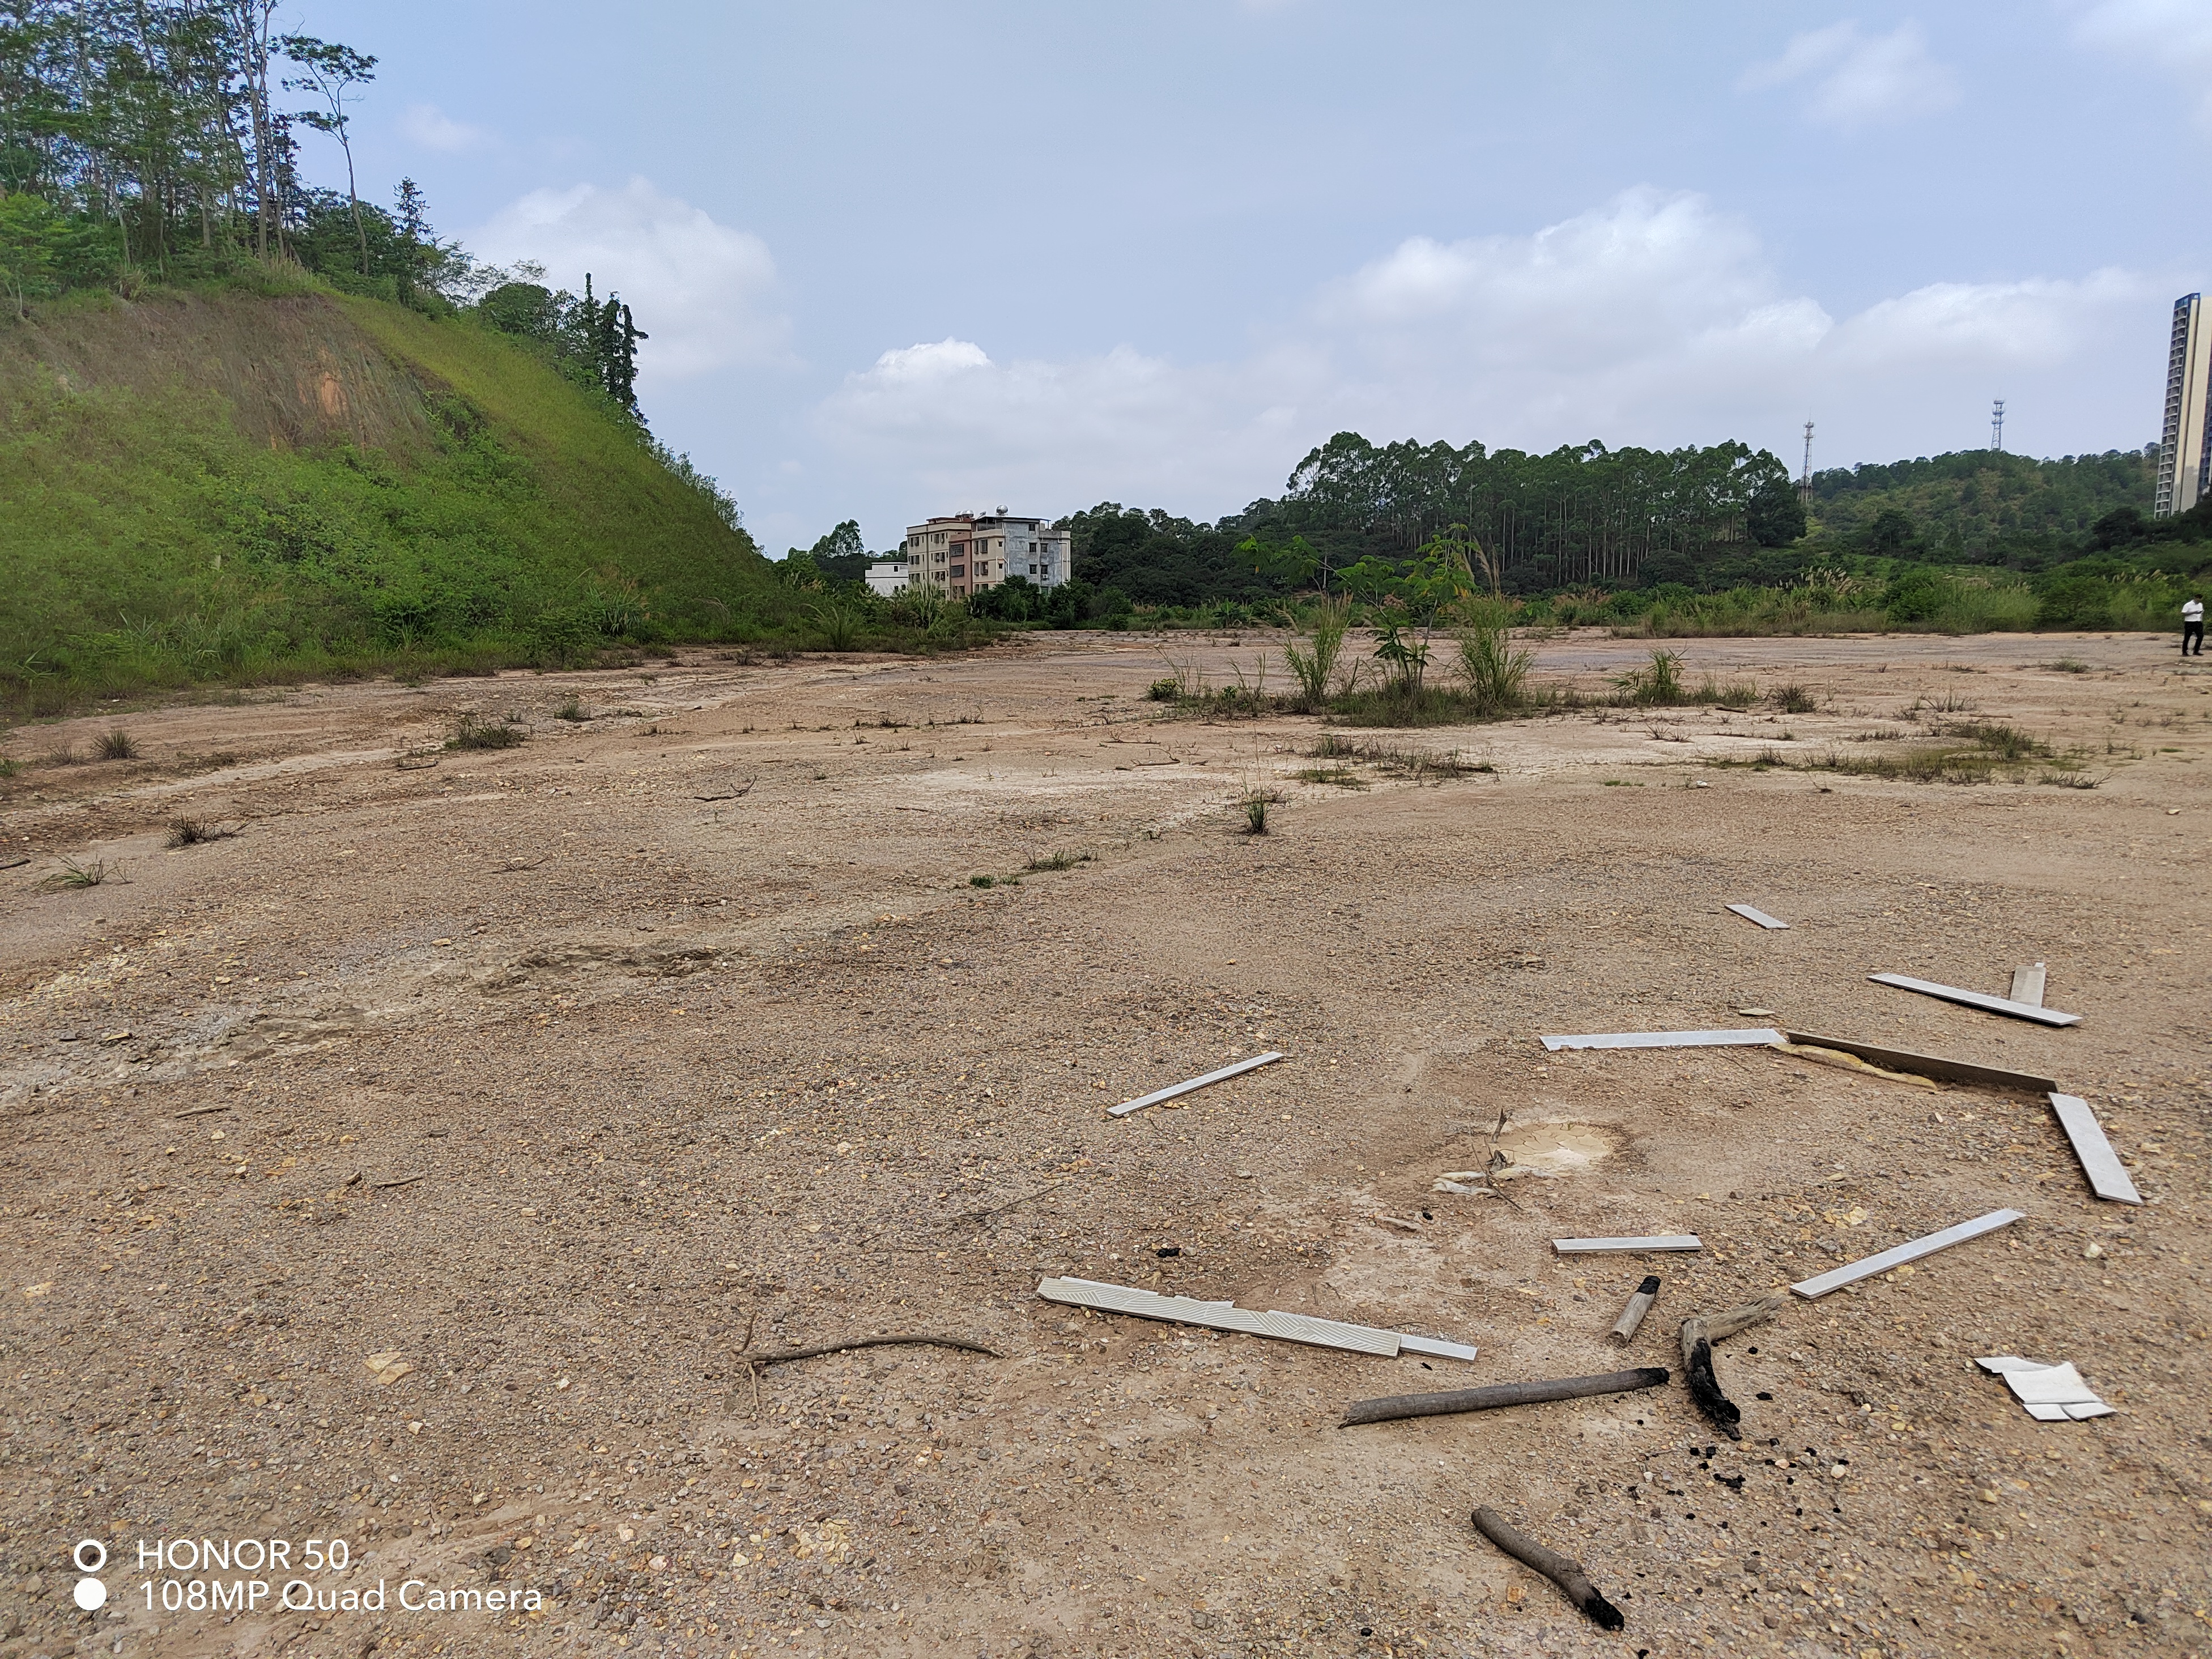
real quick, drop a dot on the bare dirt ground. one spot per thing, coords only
(409, 1168)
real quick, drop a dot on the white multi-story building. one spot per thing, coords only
(968, 552)
(887, 577)
(2185, 449)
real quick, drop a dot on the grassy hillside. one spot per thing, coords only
(230, 484)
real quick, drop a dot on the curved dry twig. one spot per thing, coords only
(781, 1356)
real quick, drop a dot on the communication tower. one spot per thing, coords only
(1996, 424)
(1805, 478)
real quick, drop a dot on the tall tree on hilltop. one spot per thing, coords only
(332, 72)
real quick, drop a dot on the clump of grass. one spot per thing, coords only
(1255, 805)
(1313, 664)
(1059, 860)
(1496, 674)
(1795, 699)
(1342, 776)
(61, 754)
(571, 710)
(73, 875)
(9, 767)
(191, 832)
(2065, 776)
(982, 881)
(116, 745)
(2068, 666)
(222, 758)
(472, 733)
(1659, 681)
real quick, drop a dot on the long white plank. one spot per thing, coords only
(1628, 1246)
(1172, 1089)
(1228, 1316)
(1929, 987)
(2108, 1176)
(1851, 1272)
(1757, 1033)
(1759, 916)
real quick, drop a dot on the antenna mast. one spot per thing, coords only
(1805, 478)
(1996, 424)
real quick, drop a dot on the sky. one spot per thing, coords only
(900, 257)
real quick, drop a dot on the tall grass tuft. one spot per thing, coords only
(1496, 674)
(116, 745)
(1313, 666)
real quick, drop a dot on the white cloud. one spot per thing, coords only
(1859, 80)
(704, 292)
(433, 129)
(1654, 319)
(2174, 35)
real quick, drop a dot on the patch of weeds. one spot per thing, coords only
(1413, 764)
(1255, 805)
(473, 733)
(1166, 689)
(9, 767)
(61, 755)
(1659, 681)
(2068, 777)
(1794, 699)
(73, 875)
(1879, 734)
(222, 758)
(572, 710)
(116, 745)
(191, 832)
(982, 881)
(1342, 776)
(1059, 861)
(2068, 666)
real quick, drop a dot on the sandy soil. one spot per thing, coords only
(410, 1167)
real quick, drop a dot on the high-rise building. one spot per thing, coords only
(2185, 446)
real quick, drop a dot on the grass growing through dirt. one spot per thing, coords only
(1970, 751)
(1396, 761)
(1342, 776)
(73, 875)
(1059, 861)
(191, 832)
(473, 733)
(1255, 805)
(116, 745)
(573, 709)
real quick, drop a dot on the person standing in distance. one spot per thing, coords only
(2193, 625)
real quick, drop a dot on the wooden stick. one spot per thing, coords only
(783, 1355)
(1390, 1407)
(1698, 1335)
(1563, 1570)
(1638, 1305)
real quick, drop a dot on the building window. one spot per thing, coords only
(959, 569)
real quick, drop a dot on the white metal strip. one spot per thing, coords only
(2035, 1011)
(1851, 1272)
(1759, 916)
(1435, 1346)
(1625, 1246)
(1220, 1317)
(1757, 1033)
(2108, 1176)
(1170, 1093)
